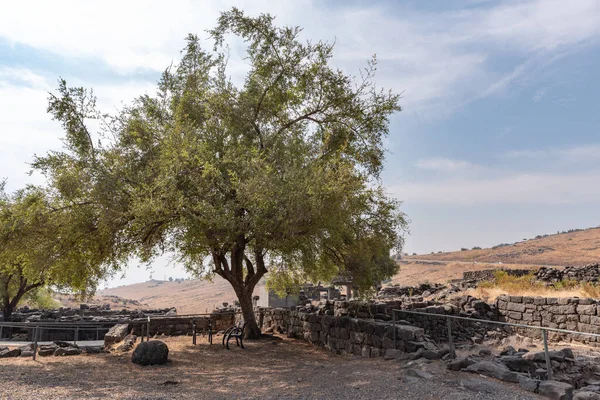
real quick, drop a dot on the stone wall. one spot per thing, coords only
(586, 273)
(490, 274)
(573, 313)
(366, 337)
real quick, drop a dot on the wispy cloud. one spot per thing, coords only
(575, 154)
(439, 59)
(517, 189)
(443, 164)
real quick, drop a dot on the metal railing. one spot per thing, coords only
(38, 328)
(544, 330)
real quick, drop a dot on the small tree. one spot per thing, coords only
(44, 244)
(279, 173)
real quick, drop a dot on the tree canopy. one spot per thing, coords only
(45, 244)
(277, 173)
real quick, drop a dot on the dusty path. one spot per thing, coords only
(291, 369)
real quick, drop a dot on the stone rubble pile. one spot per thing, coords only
(586, 273)
(572, 375)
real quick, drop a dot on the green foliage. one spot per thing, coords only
(279, 173)
(46, 242)
(41, 298)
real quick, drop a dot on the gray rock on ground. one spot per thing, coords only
(116, 334)
(585, 395)
(6, 353)
(47, 350)
(481, 386)
(555, 390)
(150, 353)
(67, 351)
(458, 364)
(417, 373)
(494, 370)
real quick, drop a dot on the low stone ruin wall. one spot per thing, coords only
(369, 338)
(582, 315)
(586, 273)
(490, 274)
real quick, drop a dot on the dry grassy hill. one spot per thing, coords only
(189, 297)
(574, 248)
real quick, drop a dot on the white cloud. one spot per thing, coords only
(574, 154)
(443, 164)
(438, 59)
(517, 189)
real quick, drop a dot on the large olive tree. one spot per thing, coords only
(280, 172)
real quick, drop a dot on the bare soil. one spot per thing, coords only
(267, 369)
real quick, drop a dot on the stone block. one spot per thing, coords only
(515, 315)
(515, 299)
(539, 301)
(518, 307)
(586, 309)
(584, 318)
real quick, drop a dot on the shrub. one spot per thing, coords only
(463, 249)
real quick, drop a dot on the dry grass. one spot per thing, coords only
(575, 248)
(528, 286)
(290, 369)
(416, 272)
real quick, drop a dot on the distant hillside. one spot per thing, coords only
(578, 247)
(189, 297)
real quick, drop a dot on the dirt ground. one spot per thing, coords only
(267, 369)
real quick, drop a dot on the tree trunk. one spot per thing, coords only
(242, 285)
(252, 329)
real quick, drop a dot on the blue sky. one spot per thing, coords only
(498, 140)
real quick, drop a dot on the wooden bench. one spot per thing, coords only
(237, 332)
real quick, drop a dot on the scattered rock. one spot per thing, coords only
(508, 351)
(585, 395)
(67, 351)
(47, 350)
(417, 373)
(6, 353)
(494, 370)
(127, 344)
(92, 349)
(519, 364)
(459, 364)
(528, 384)
(485, 352)
(481, 386)
(150, 353)
(556, 390)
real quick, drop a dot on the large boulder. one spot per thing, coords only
(150, 353)
(116, 334)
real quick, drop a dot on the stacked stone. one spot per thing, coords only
(354, 336)
(490, 274)
(275, 320)
(587, 273)
(573, 313)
